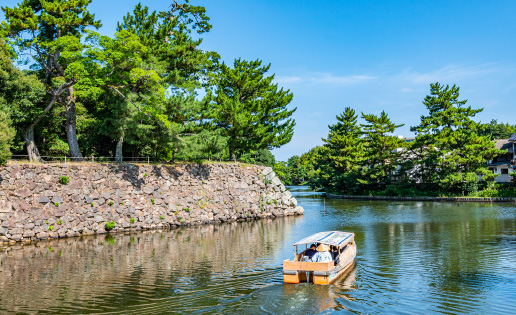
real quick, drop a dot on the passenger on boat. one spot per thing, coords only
(309, 253)
(335, 254)
(323, 254)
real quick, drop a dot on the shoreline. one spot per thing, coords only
(441, 199)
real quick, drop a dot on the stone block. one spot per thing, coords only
(43, 199)
(266, 171)
(57, 199)
(42, 235)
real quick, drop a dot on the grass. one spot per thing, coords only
(64, 180)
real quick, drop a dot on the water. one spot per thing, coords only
(413, 257)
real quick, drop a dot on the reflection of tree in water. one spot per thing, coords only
(436, 249)
(185, 268)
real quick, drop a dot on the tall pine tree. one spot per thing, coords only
(51, 32)
(249, 108)
(383, 148)
(345, 152)
(448, 141)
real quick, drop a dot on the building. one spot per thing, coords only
(504, 165)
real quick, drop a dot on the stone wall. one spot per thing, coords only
(35, 204)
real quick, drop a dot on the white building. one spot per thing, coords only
(504, 165)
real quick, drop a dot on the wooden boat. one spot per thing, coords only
(301, 270)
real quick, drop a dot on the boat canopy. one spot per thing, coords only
(335, 238)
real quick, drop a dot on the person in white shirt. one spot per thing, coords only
(323, 254)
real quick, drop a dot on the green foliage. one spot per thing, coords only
(64, 180)
(448, 148)
(153, 201)
(60, 222)
(132, 220)
(383, 149)
(162, 217)
(110, 225)
(51, 32)
(343, 155)
(51, 228)
(186, 209)
(111, 203)
(497, 130)
(92, 204)
(56, 204)
(249, 108)
(6, 137)
(260, 157)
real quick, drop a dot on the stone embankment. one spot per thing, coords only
(56, 201)
(442, 199)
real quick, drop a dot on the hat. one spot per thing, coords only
(322, 248)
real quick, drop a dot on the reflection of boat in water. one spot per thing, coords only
(303, 270)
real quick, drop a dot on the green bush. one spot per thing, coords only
(111, 203)
(110, 225)
(60, 222)
(186, 209)
(51, 228)
(64, 180)
(7, 134)
(132, 220)
(161, 217)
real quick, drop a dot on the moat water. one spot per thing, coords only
(413, 257)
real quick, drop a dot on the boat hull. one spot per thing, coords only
(318, 272)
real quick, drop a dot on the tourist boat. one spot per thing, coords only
(300, 270)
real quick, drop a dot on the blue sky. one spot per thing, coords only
(370, 55)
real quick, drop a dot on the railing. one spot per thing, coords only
(112, 159)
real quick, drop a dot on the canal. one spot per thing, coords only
(413, 257)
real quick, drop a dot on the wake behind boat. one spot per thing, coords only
(321, 258)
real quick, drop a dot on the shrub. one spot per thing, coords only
(186, 209)
(60, 222)
(110, 225)
(64, 180)
(161, 217)
(7, 134)
(152, 201)
(111, 203)
(92, 204)
(56, 204)
(51, 228)
(132, 220)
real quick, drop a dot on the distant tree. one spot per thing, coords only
(261, 156)
(447, 144)
(51, 32)
(250, 108)
(344, 153)
(383, 148)
(497, 130)
(283, 172)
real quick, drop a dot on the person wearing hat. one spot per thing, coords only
(323, 254)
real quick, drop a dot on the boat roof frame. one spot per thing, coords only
(333, 238)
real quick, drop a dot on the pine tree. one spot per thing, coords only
(53, 31)
(383, 149)
(447, 141)
(345, 152)
(250, 109)
(20, 96)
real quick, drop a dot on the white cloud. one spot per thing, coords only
(450, 73)
(325, 78)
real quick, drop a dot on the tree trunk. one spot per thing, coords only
(118, 153)
(232, 154)
(71, 127)
(32, 149)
